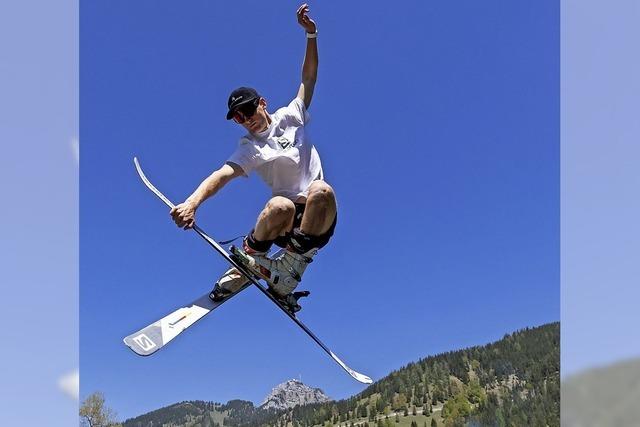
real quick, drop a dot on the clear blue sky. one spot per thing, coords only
(438, 127)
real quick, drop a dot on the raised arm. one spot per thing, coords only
(310, 65)
(184, 213)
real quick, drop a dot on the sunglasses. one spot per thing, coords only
(246, 111)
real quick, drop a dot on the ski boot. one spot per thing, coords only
(232, 280)
(282, 273)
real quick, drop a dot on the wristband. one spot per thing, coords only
(312, 35)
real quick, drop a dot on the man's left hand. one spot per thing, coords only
(304, 20)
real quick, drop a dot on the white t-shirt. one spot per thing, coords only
(282, 154)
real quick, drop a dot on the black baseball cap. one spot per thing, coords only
(239, 97)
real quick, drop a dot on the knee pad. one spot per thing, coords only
(257, 245)
(303, 243)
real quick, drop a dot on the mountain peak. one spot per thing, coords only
(291, 393)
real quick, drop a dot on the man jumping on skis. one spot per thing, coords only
(301, 214)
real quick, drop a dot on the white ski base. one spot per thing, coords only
(152, 338)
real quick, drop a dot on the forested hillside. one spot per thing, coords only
(512, 382)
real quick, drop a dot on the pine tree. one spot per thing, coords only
(363, 412)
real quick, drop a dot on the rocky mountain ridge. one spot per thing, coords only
(292, 393)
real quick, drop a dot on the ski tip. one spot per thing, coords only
(361, 377)
(139, 353)
(356, 375)
(137, 348)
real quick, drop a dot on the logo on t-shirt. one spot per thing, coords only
(284, 143)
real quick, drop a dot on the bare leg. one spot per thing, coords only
(285, 271)
(320, 211)
(275, 219)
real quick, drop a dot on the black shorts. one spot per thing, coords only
(322, 240)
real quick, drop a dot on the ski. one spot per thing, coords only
(356, 375)
(152, 338)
